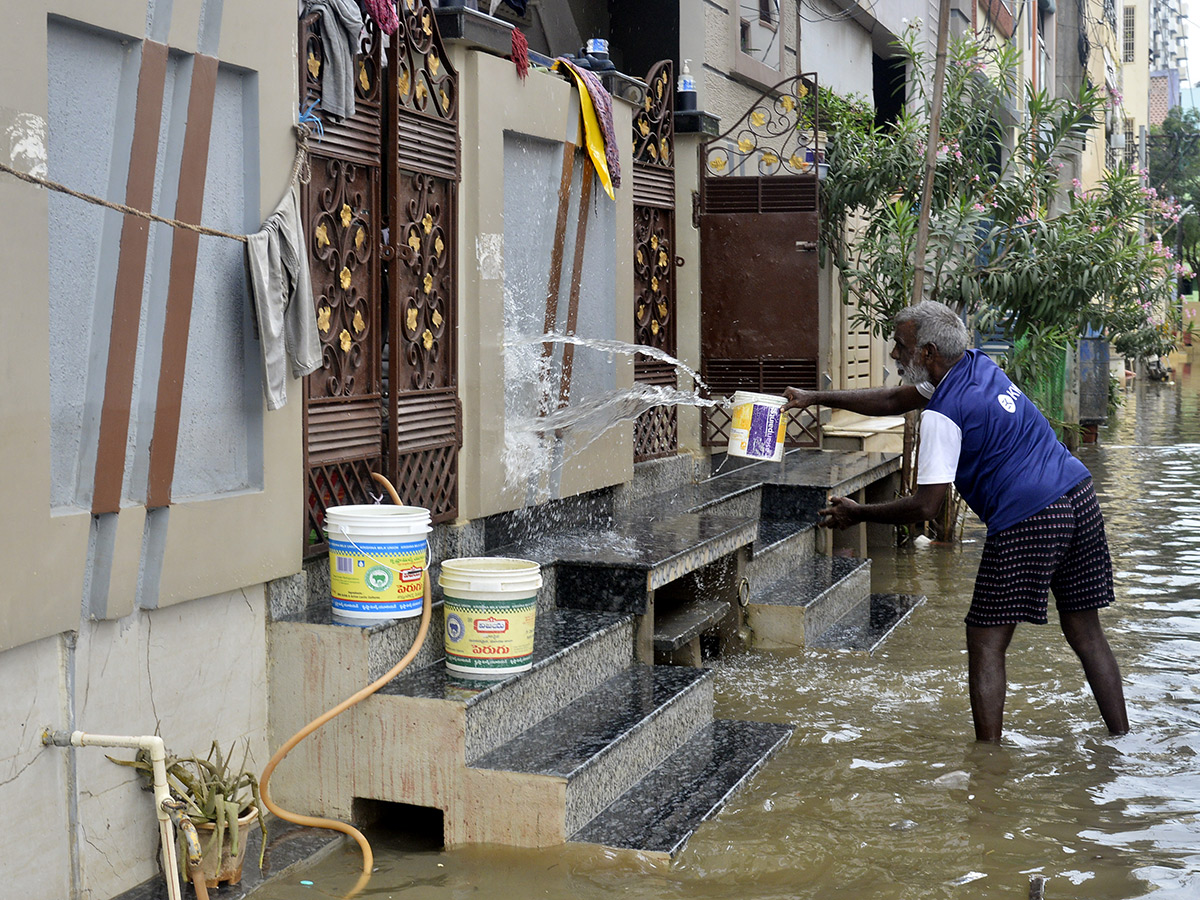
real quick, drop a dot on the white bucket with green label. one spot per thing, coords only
(489, 607)
(377, 561)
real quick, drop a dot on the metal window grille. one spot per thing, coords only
(1131, 149)
(1130, 22)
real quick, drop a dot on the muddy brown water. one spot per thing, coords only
(882, 793)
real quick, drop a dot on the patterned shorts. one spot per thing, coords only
(1063, 548)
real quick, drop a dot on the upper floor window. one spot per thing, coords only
(1130, 23)
(758, 42)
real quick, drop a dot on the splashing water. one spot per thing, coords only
(540, 435)
(610, 346)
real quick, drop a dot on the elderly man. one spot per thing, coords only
(1045, 530)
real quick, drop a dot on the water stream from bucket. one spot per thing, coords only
(536, 446)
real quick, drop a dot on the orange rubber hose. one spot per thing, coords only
(289, 745)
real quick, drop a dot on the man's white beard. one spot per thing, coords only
(914, 374)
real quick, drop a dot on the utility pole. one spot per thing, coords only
(931, 148)
(908, 461)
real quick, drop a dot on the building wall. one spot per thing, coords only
(107, 620)
(513, 136)
(1135, 76)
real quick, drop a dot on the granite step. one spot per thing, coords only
(605, 741)
(782, 546)
(686, 622)
(574, 652)
(659, 813)
(865, 628)
(808, 601)
(616, 570)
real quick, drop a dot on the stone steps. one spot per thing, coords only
(808, 601)
(865, 628)
(592, 743)
(574, 652)
(659, 813)
(605, 741)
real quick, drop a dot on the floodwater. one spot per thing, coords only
(882, 793)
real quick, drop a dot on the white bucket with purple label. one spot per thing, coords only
(758, 427)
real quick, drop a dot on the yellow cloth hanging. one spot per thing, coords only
(592, 132)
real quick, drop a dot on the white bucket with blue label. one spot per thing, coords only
(758, 427)
(490, 608)
(378, 556)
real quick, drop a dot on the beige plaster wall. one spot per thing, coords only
(193, 670)
(545, 107)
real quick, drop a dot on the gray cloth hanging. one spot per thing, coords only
(277, 261)
(341, 25)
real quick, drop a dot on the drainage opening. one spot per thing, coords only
(400, 826)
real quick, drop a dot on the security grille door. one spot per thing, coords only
(758, 218)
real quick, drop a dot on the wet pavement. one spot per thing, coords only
(882, 793)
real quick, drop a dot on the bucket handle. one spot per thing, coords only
(379, 562)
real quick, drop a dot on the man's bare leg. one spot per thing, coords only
(1086, 637)
(987, 678)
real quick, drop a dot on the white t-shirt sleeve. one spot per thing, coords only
(941, 441)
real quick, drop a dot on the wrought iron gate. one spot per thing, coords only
(656, 432)
(758, 213)
(386, 398)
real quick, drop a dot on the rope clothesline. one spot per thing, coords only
(301, 172)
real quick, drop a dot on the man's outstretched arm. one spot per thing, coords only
(920, 506)
(881, 401)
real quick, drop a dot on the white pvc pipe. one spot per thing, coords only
(157, 751)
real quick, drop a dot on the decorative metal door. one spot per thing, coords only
(386, 398)
(757, 214)
(656, 432)
(424, 414)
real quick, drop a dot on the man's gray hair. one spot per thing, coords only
(937, 324)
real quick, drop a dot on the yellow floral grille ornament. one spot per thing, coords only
(359, 323)
(322, 234)
(437, 319)
(403, 83)
(427, 339)
(427, 223)
(428, 283)
(438, 246)
(346, 341)
(323, 316)
(347, 215)
(411, 320)
(414, 241)
(758, 118)
(345, 279)
(314, 64)
(363, 79)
